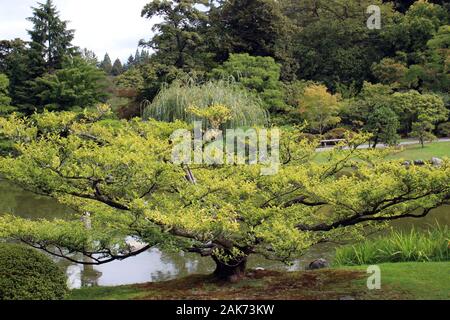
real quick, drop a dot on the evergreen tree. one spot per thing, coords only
(177, 38)
(117, 68)
(137, 57)
(89, 56)
(106, 64)
(5, 100)
(51, 41)
(79, 84)
(130, 62)
(260, 75)
(14, 63)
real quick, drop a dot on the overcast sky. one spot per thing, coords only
(113, 26)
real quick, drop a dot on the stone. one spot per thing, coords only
(347, 298)
(259, 269)
(419, 162)
(406, 163)
(318, 264)
(436, 162)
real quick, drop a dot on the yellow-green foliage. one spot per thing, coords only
(121, 173)
(216, 114)
(172, 102)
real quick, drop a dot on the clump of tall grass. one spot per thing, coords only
(426, 246)
(173, 101)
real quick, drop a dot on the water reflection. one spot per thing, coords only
(157, 265)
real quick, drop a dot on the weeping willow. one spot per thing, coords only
(173, 101)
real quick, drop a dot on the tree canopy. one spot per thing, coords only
(121, 174)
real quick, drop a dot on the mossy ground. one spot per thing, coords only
(399, 281)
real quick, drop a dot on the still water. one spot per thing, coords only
(156, 265)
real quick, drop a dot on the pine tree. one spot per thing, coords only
(106, 64)
(137, 57)
(117, 68)
(130, 62)
(51, 40)
(14, 62)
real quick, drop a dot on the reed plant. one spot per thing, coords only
(399, 246)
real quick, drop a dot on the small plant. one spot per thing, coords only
(432, 245)
(27, 274)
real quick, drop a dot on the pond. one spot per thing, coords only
(156, 265)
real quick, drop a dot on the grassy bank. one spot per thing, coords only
(399, 281)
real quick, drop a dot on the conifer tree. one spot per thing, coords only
(117, 68)
(51, 40)
(137, 57)
(106, 64)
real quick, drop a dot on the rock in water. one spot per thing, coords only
(318, 264)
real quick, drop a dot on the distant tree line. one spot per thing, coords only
(310, 60)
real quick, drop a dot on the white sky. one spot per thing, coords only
(113, 26)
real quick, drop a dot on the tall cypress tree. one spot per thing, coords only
(51, 40)
(130, 62)
(106, 64)
(117, 68)
(137, 57)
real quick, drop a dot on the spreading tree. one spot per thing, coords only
(177, 40)
(120, 177)
(422, 129)
(383, 124)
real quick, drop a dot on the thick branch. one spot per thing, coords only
(90, 255)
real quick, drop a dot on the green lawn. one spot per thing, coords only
(416, 280)
(410, 152)
(416, 152)
(398, 281)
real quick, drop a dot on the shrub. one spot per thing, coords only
(337, 133)
(431, 245)
(173, 101)
(26, 274)
(444, 129)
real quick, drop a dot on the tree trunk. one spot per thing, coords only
(375, 142)
(233, 271)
